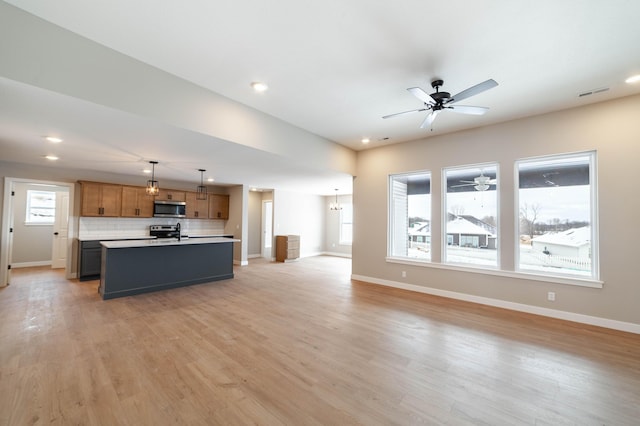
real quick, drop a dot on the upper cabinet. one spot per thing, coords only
(171, 195)
(196, 209)
(218, 206)
(111, 200)
(136, 202)
(100, 199)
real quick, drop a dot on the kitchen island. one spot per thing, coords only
(141, 266)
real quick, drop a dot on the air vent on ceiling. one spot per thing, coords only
(593, 92)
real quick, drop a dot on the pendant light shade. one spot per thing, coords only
(336, 205)
(201, 191)
(152, 184)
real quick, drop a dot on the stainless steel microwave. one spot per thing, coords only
(169, 208)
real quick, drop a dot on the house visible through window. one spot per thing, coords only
(410, 215)
(41, 207)
(346, 224)
(556, 215)
(471, 215)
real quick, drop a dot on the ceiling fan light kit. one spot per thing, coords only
(439, 101)
(480, 183)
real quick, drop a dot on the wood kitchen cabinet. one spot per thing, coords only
(171, 195)
(100, 199)
(196, 209)
(218, 206)
(136, 202)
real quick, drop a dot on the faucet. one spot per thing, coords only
(178, 229)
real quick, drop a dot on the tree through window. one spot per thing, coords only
(557, 215)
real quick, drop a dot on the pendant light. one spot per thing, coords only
(336, 205)
(201, 191)
(152, 184)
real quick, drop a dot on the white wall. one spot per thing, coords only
(300, 214)
(611, 128)
(89, 71)
(238, 223)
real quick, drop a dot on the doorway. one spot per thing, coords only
(31, 217)
(267, 229)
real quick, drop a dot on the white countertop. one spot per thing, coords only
(166, 242)
(134, 237)
(111, 237)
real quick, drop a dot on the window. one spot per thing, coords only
(346, 224)
(471, 215)
(556, 199)
(410, 215)
(41, 207)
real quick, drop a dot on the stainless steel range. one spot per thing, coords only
(165, 231)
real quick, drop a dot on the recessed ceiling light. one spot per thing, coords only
(210, 179)
(633, 79)
(365, 140)
(146, 171)
(51, 157)
(53, 139)
(259, 87)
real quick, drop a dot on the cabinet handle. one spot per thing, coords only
(196, 214)
(168, 196)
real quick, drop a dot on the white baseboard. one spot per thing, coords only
(335, 254)
(241, 263)
(30, 264)
(253, 256)
(521, 307)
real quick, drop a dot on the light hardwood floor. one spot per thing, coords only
(300, 344)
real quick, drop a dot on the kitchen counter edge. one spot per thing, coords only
(165, 242)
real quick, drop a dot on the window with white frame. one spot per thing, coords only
(41, 207)
(410, 215)
(471, 215)
(556, 223)
(346, 224)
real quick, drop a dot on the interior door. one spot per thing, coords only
(60, 231)
(267, 228)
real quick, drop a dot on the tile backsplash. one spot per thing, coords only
(102, 227)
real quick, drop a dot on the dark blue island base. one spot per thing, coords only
(130, 268)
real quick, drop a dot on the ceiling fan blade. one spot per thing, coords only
(473, 90)
(427, 121)
(466, 184)
(422, 95)
(405, 112)
(464, 109)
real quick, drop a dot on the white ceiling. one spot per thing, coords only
(335, 67)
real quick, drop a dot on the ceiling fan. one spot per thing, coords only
(480, 183)
(439, 101)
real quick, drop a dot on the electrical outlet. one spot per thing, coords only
(551, 296)
(404, 274)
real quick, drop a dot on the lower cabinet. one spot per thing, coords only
(287, 248)
(90, 260)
